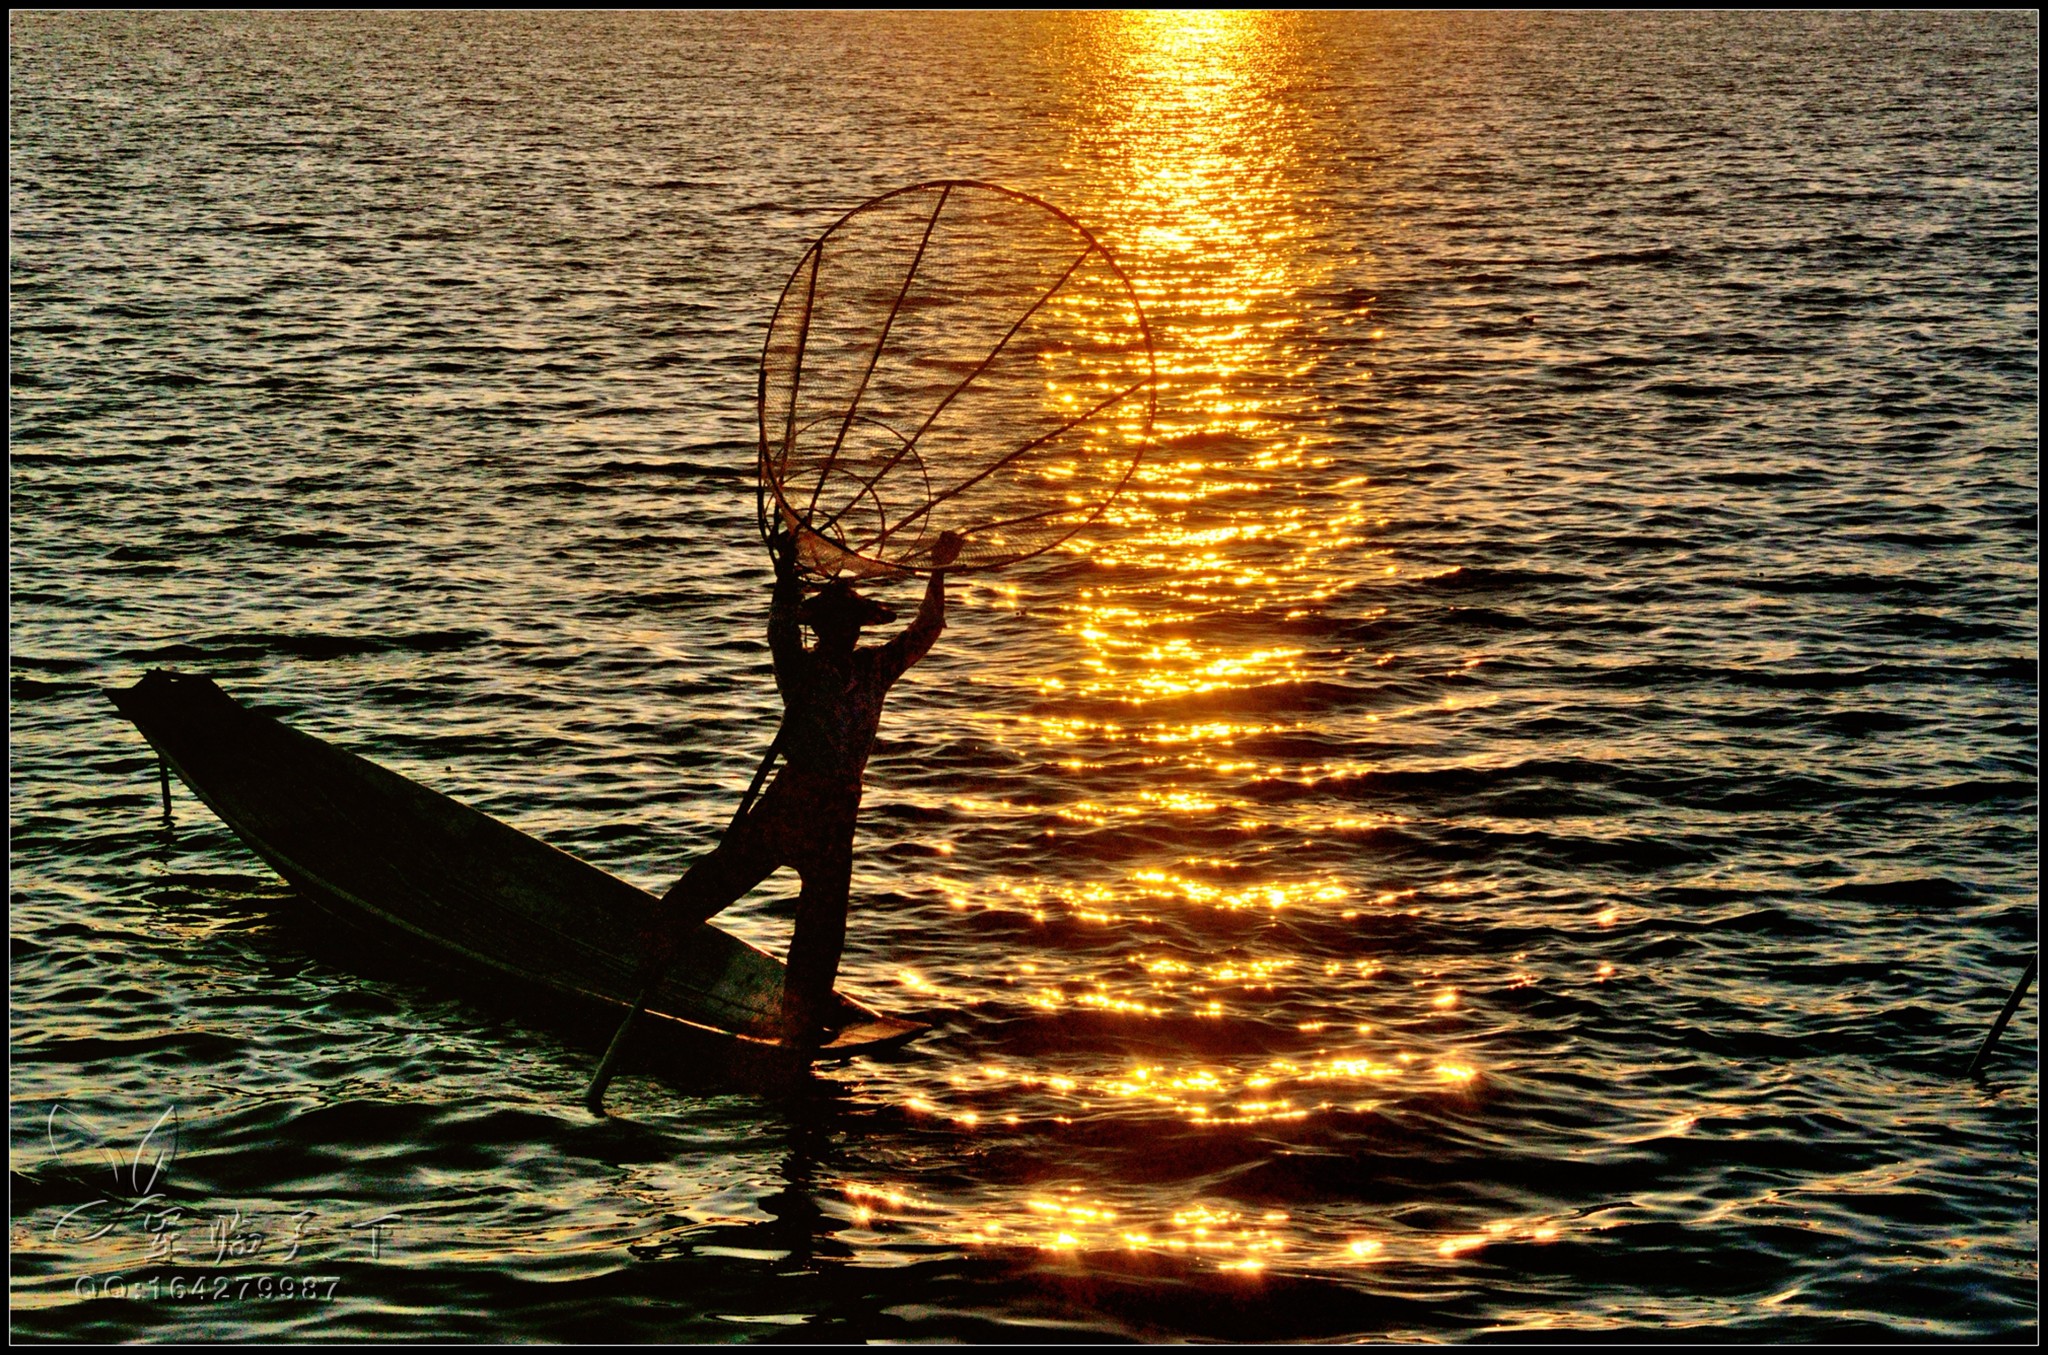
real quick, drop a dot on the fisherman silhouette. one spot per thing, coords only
(832, 696)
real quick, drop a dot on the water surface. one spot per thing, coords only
(1513, 824)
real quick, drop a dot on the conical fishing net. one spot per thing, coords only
(952, 356)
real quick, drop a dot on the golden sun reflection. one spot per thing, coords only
(1179, 704)
(1194, 160)
(1204, 1093)
(1226, 1236)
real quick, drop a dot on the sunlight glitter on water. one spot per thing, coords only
(1546, 746)
(1215, 1233)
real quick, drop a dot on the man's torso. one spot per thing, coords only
(830, 717)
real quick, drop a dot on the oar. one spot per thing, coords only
(2012, 1004)
(593, 1095)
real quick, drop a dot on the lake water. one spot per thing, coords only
(1515, 824)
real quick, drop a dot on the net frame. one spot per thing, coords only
(822, 559)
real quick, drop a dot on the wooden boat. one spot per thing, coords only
(434, 879)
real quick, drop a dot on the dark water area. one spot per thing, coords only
(1512, 828)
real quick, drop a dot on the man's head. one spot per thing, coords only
(837, 614)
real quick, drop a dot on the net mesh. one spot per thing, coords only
(950, 357)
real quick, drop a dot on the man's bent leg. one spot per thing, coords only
(713, 883)
(814, 949)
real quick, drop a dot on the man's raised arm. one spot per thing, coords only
(922, 633)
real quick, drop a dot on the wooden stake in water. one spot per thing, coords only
(163, 776)
(2012, 1004)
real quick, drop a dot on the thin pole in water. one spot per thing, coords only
(2012, 1004)
(163, 776)
(593, 1095)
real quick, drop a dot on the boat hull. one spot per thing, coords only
(431, 879)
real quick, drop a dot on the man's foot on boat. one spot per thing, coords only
(802, 1032)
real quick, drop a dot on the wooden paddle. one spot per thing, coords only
(2012, 1004)
(593, 1095)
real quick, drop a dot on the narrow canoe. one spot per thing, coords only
(437, 880)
